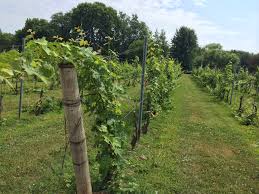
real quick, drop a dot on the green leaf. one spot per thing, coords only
(42, 42)
(7, 71)
(3, 79)
(66, 46)
(31, 71)
(47, 50)
(103, 128)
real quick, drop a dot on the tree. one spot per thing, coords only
(135, 49)
(213, 46)
(6, 41)
(160, 40)
(253, 63)
(39, 26)
(60, 25)
(129, 30)
(97, 20)
(104, 28)
(244, 57)
(215, 57)
(184, 44)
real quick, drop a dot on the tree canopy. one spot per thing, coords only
(213, 56)
(6, 41)
(105, 29)
(160, 40)
(184, 43)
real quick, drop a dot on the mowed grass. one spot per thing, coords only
(33, 149)
(198, 147)
(28, 145)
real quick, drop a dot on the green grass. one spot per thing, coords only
(198, 147)
(28, 146)
(32, 149)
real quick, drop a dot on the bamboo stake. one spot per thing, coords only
(73, 114)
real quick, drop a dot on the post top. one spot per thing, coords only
(66, 65)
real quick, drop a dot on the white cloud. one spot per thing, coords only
(201, 3)
(239, 19)
(157, 14)
(13, 13)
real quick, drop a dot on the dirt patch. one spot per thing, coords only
(227, 152)
(195, 118)
(196, 168)
(196, 113)
(212, 150)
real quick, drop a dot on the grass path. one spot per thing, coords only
(196, 148)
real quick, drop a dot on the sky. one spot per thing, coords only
(232, 23)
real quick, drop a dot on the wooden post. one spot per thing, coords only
(73, 115)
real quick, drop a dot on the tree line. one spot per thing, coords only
(109, 30)
(213, 56)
